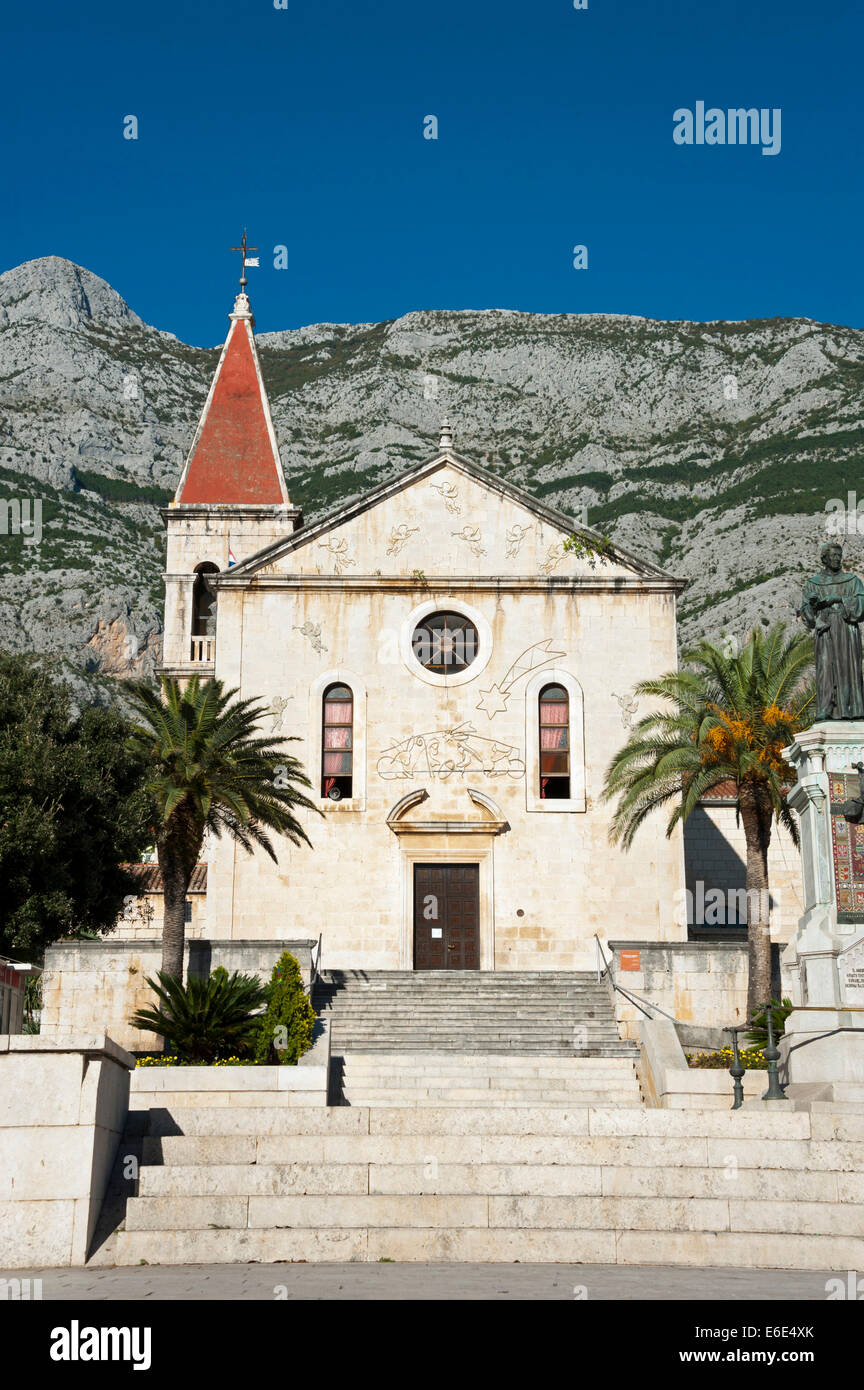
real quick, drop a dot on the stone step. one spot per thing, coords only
(504, 979)
(380, 1003)
(431, 1211)
(734, 1128)
(462, 1138)
(472, 1015)
(348, 1044)
(749, 1250)
(499, 1179)
(431, 999)
(344, 1042)
(387, 1074)
(386, 1079)
(484, 1095)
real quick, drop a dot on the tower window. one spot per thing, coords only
(554, 743)
(337, 744)
(204, 602)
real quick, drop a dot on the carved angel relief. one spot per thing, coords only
(279, 709)
(451, 495)
(399, 536)
(313, 632)
(515, 536)
(472, 537)
(338, 550)
(628, 705)
(554, 555)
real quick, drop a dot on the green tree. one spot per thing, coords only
(72, 809)
(725, 717)
(285, 1028)
(208, 769)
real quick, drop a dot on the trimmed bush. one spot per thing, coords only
(285, 1029)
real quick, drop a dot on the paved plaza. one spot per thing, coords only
(535, 1282)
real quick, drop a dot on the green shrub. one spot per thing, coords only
(285, 1029)
(205, 1020)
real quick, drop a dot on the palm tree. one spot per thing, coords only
(208, 769)
(725, 717)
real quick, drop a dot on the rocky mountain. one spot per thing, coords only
(711, 448)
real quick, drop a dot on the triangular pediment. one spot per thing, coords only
(445, 517)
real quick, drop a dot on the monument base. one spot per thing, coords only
(815, 1052)
(823, 965)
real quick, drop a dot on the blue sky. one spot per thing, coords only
(554, 130)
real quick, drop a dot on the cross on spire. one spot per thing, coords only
(243, 248)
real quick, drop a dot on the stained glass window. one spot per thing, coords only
(337, 743)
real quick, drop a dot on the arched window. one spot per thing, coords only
(337, 743)
(204, 602)
(554, 743)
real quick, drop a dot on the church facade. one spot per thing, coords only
(457, 675)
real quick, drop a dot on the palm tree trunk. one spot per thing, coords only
(178, 846)
(756, 814)
(175, 885)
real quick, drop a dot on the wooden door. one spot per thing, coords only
(446, 917)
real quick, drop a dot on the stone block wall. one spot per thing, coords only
(94, 986)
(698, 982)
(141, 920)
(63, 1108)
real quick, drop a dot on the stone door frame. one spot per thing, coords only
(446, 854)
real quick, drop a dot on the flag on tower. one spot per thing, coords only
(251, 260)
(232, 559)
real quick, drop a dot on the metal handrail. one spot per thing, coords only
(771, 1053)
(632, 998)
(315, 967)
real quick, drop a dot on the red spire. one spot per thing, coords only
(234, 456)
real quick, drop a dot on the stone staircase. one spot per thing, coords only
(462, 1038)
(551, 1013)
(451, 1078)
(576, 1184)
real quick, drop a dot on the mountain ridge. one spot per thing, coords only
(679, 438)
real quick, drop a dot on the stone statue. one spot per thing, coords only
(833, 606)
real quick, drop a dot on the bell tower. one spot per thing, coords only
(231, 500)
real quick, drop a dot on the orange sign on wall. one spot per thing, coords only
(631, 960)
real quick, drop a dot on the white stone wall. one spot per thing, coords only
(63, 1107)
(141, 919)
(94, 986)
(698, 982)
(338, 608)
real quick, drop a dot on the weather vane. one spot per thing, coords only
(247, 260)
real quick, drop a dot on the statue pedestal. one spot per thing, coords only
(824, 961)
